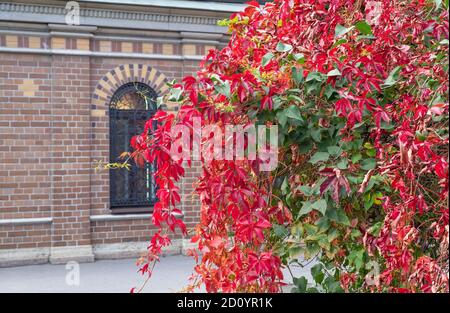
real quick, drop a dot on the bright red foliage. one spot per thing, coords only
(383, 59)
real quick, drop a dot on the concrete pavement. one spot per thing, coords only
(106, 276)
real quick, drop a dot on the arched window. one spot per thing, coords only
(131, 106)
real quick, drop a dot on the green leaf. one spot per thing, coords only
(375, 229)
(368, 164)
(297, 75)
(338, 215)
(334, 151)
(293, 112)
(340, 42)
(283, 47)
(317, 274)
(340, 30)
(332, 285)
(175, 94)
(306, 190)
(329, 91)
(310, 229)
(316, 135)
(342, 164)
(300, 58)
(333, 234)
(342, 217)
(444, 42)
(266, 58)
(319, 157)
(317, 76)
(364, 28)
(393, 77)
(280, 230)
(356, 158)
(320, 205)
(295, 252)
(356, 257)
(306, 208)
(301, 283)
(285, 186)
(334, 72)
(312, 290)
(224, 89)
(282, 118)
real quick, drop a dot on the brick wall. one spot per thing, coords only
(54, 126)
(25, 148)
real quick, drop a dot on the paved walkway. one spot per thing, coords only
(109, 276)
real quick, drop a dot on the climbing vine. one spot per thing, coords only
(359, 92)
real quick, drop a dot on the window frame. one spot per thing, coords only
(116, 113)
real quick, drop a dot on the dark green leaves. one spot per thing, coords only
(368, 164)
(317, 76)
(293, 112)
(300, 284)
(297, 75)
(319, 157)
(319, 205)
(317, 274)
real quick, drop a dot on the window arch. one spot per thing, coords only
(130, 107)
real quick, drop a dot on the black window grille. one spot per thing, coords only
(130, 190)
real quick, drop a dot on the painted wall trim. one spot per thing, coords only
(26, 221)
(103, 54)
(123, 217)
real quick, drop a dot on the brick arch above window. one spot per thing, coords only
(127, 73)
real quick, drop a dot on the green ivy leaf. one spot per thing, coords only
(299, 57)
(224, 89)
(342, 164)
(316, 135)
(364, 28)
(393, 77)
(283, 47)
(356, 158)
(319, 157)
(317, 76)
(306, 208)
(334, 151)
(320, 205)
(340, 30)
(297, 75)
(317, 274)
(301, 284)
(368, 164)
(329, 91)
(267, 58)
(334, 72)
(306, 190)
(280, 230)
(293, 112)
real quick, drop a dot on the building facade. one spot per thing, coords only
(70, 97)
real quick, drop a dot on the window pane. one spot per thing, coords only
(131, 106)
